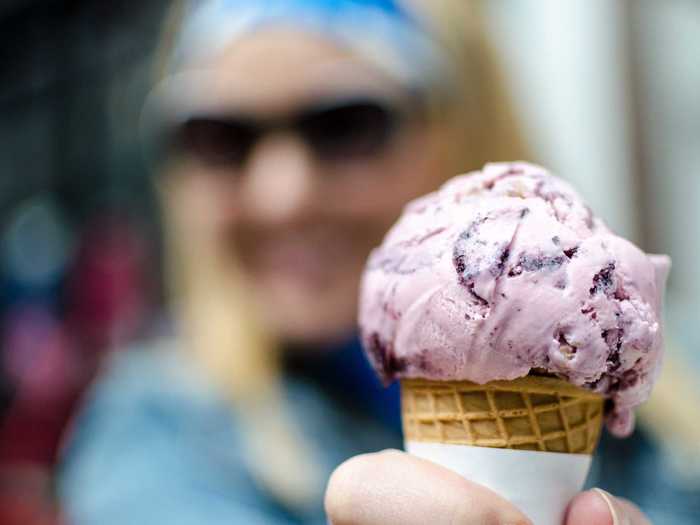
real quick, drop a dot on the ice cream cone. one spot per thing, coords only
(529, 439)
(530, 413)
(499, 274)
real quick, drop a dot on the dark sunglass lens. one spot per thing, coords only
(352, 130)
(217, 142)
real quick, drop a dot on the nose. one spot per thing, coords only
(279, 179)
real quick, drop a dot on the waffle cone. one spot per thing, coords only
(529, 413)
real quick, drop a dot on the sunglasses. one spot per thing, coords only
(334, 131)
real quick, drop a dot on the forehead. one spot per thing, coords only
(275, 69)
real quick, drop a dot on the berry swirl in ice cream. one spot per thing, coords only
(506, 272)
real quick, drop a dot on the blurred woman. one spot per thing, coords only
(287, 137)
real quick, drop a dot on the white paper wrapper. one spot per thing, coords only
(541, 484)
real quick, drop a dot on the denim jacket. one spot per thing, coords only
(156, 444)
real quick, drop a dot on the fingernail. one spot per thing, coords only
(619, 518)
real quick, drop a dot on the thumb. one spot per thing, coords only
(597, 507)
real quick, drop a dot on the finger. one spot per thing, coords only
(597, 507)
(393, 487)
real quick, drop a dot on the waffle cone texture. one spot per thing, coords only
(530, 413)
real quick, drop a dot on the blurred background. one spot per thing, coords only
(608, 92)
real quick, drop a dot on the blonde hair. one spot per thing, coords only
(217, 313)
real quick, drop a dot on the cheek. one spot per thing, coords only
(374, 192)
(211, 198)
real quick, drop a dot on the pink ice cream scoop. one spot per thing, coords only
(505, 272)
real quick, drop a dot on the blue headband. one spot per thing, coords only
(380, 31)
